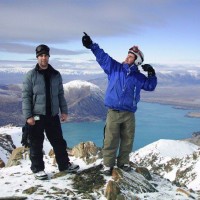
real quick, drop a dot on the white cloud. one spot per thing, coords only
(162, 28)
(54, 21)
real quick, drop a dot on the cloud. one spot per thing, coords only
(25, 24)
(64, 20)
(28, 49)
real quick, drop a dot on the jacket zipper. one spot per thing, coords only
(134, 96)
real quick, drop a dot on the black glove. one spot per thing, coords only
(149, 69)
(25, 136)
(86, 40)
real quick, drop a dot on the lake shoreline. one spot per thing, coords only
(181, 106)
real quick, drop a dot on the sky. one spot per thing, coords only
(167, 31)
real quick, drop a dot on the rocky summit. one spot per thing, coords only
(149, 179)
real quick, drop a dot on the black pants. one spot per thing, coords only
(52, 128)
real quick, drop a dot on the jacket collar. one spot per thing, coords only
(130, 69)
(50, 69)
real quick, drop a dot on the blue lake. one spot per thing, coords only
(153, 122)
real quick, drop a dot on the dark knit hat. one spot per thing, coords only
(42, 49)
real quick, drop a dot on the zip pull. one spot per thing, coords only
(129, 71)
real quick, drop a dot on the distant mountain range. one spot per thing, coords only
(10, 105)
(170, 77)
(178, 88)
(179, 78)
(86, 98)
(175, 78)
(85, 102)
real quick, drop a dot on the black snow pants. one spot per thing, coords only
(52, 127)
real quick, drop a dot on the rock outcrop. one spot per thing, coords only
(17, 155)
(88, 151)
(91, 183)
(6, 146)
(127, 185)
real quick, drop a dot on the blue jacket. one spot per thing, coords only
(124, 82)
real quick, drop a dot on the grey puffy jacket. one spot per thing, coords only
(34, 93)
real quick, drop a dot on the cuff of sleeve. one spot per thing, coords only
(94, 46)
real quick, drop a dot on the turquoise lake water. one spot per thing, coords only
(153, 122)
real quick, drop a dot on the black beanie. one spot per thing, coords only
(42, 49)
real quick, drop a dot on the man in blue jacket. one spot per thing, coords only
(125, 82)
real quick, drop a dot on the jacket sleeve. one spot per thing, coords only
(62, 100)
(150, 83)
(27, 96)
(105, 61)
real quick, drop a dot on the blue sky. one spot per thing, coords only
(167, 31)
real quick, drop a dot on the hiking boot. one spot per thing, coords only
(72, 168)
(125, 167)
(41, 175)
(107, 170)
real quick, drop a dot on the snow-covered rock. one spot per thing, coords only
(19, 180)
(176, 160)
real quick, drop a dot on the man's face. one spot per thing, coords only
(130, 59)
(43, 61)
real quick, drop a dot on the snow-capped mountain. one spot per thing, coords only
(165, 78)
(167, 75)
(85, 101)
(177, 161)
(81, 84)
(167, 157)
(179, 77)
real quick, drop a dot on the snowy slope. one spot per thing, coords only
(14, 180)
(16, 133)
(167, 149)
(177, 161)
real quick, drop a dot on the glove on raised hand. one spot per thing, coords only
(149, 69)
(25, 136)
(86, 40)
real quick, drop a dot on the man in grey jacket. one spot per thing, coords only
(42, 99)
